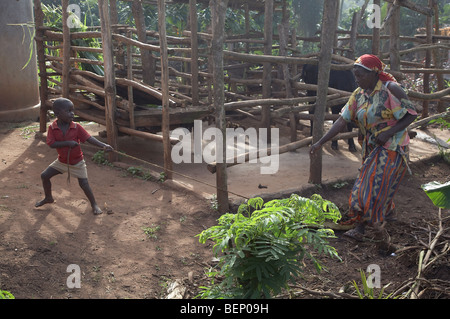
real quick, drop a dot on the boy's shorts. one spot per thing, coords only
(78, 170)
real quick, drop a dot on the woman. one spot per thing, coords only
(382, 112)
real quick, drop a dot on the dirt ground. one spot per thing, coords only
(145, 239)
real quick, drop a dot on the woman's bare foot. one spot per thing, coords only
(356, 233)
(96, 209)
(44, 201)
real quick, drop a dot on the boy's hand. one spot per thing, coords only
(72, 144)
(108, 148)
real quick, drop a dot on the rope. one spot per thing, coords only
(177, 173)
(68, 166)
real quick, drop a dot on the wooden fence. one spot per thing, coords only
(143, 83)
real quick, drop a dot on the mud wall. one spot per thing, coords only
(19, 84)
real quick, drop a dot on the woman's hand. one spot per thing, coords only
(314, 148)
(108, 148)
(383, 137)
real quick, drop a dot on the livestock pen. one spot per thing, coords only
(145, 82)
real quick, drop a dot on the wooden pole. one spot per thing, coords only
(394, 34)
(148, 63)
(40, 53)
(194, 50)
(113, 12)
(110, 85)
(218, 10)
(130, 88)
(376, 34)
(426, 76)
(165, 125)
(267, 66)
(439, 61)
(66, 50)
(283, 30)
(326, 46)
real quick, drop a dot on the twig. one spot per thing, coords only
(435, 240)
(424, 260)
(339, 295)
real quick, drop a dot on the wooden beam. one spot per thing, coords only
(412, 6)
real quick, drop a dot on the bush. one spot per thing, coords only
(6, 295)
(262, 246)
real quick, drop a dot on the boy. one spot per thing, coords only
(65, 135)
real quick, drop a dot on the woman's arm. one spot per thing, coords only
(402, 124)
(337, 127)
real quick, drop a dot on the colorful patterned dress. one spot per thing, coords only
(384, 166)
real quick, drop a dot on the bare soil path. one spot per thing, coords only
(145, 239)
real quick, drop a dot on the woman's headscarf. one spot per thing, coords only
(373, 63)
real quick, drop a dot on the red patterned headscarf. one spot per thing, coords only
(373, 63)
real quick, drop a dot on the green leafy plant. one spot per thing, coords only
(444, 124)
(261, 248)
(6, 295)
(151, 231)
(438, 193)
(140, 172)
(100, 158)
(368, 292)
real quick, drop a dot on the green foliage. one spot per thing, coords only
(141, 173)
(368, 292)
(444, 124)
(6, 295)
(151, 231)
(262, 247)
(100, 158)
(438, 193)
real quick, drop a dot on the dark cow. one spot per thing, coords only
(339, 79)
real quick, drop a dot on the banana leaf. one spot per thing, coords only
(438, 193)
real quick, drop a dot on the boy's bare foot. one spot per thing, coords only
(44, 201)
(96, 210)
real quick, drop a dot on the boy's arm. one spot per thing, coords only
(61, 144)
(92, 140)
